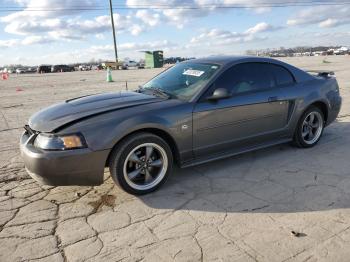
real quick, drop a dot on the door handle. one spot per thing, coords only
(272, 99)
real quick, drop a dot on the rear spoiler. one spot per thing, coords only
(321, 73)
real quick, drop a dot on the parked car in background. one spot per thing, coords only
(342, 51)
(21, 70)
(96, 67)
(61, 68)
(84, 68)
(31, 70)
(140, 65)
(9, 70)
(44, 69)
(129, 63)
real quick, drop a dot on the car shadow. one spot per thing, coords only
(273, 180)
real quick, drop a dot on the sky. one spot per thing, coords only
(68, 31)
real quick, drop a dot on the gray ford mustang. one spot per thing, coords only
(192, 113)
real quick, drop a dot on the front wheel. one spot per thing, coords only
(141, 163)
(310, 128)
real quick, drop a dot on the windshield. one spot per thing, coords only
(183, 80)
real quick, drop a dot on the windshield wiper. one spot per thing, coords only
(155, 91)
(161, 92)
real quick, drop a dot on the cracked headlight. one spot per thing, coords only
(55, 142)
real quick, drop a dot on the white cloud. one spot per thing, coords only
(60, 25)
(132, 46)
(57, 8)
(100, 36)
(164, 44)
(31, 40)
(262, 10)
(180, 14)
(206, 41)
(135, 29)
(23, 27)
(149, 18)
(261, 27)
(219, 37)
(8, 43)
(66, 25)
(177, 12)
(323, 16)
(330, 22)
(73, 28)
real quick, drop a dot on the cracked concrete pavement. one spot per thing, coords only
(237, 209)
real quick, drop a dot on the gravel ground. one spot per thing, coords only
(239, 209)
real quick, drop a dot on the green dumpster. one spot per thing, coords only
(154, 59)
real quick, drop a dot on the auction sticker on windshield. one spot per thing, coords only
(191, 72)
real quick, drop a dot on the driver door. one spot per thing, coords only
(251, 116)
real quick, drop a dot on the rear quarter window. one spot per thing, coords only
(283, 76)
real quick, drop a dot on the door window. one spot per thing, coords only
(247, 77)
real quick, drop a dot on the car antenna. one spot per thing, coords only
(126, 85)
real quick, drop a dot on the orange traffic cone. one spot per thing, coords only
(5, 76)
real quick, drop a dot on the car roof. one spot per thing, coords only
(226, 60)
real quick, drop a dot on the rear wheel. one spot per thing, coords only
(141, 163)
(310, 128)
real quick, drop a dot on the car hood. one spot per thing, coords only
(54, 117)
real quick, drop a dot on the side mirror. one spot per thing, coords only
(219, 93)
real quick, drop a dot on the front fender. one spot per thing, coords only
(105, 131)
(138, 123)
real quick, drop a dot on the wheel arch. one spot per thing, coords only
(322, 106)
(155, 131)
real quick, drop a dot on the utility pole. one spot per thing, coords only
(114, 38)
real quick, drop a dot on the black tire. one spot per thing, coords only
(120, 153)
(298, 139)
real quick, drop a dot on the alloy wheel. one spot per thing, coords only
(312, 127)
(145, 166)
